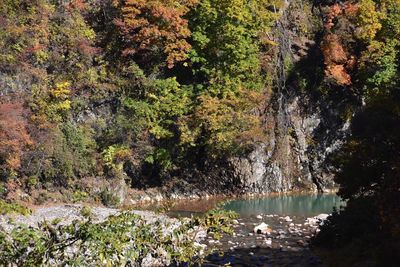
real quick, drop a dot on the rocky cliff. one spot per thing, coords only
(304, 126)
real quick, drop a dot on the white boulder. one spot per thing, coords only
(263, 228)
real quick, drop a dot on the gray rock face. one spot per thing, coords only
(293, 157)
(302, 129)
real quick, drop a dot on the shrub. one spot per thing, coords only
(124, 239)
(6, 208)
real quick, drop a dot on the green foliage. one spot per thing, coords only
(6, 208)
(125, 239)
(114, 156)
(226, 44)
(32, 181)
(217, 222)
(169, 101)
(225, 126)
(160, 157)
(109, 199)
(78, 196)
(62, 155)
(86, 212)
(369, 19)
(225, 60)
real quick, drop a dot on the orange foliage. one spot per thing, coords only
(86, 48)
(333, 50)
(335, 58)
(351, 9)
(339, 73)
(156, 23)
(13, 135)
(77, 4)
(338, 61)
(333, 12)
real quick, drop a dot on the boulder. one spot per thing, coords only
(317, 220)
(263, 228)
(322, 218)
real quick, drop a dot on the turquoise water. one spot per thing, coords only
(305, 205)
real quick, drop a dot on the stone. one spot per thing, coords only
(317, 220)
(263, 228)
(200, 235)
(311, 221)
(259, 217)
(301, 242)
(287, 219)
(281, 232)
(322, 216)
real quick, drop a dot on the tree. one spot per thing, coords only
(14, 137)
(369, 162)
(228, 81)
(155, 25)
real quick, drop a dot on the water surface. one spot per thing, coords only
(304, 205)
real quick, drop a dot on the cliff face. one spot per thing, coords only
(303, 127)
(294, 157)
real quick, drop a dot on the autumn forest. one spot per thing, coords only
(103, 96)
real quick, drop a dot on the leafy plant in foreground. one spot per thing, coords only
(120, 240)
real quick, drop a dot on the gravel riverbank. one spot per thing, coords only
(67, 213)
(268, 240)
(262, 240)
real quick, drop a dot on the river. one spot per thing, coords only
(287, 215)
(300, 205)
(284, 204)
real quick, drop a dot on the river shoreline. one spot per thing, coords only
(208, 202)
(285, 242)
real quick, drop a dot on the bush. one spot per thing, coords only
(122, 240)
(109, 199)
(6, 208)
(217, 222)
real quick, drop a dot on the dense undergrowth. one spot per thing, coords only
(121, 240)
